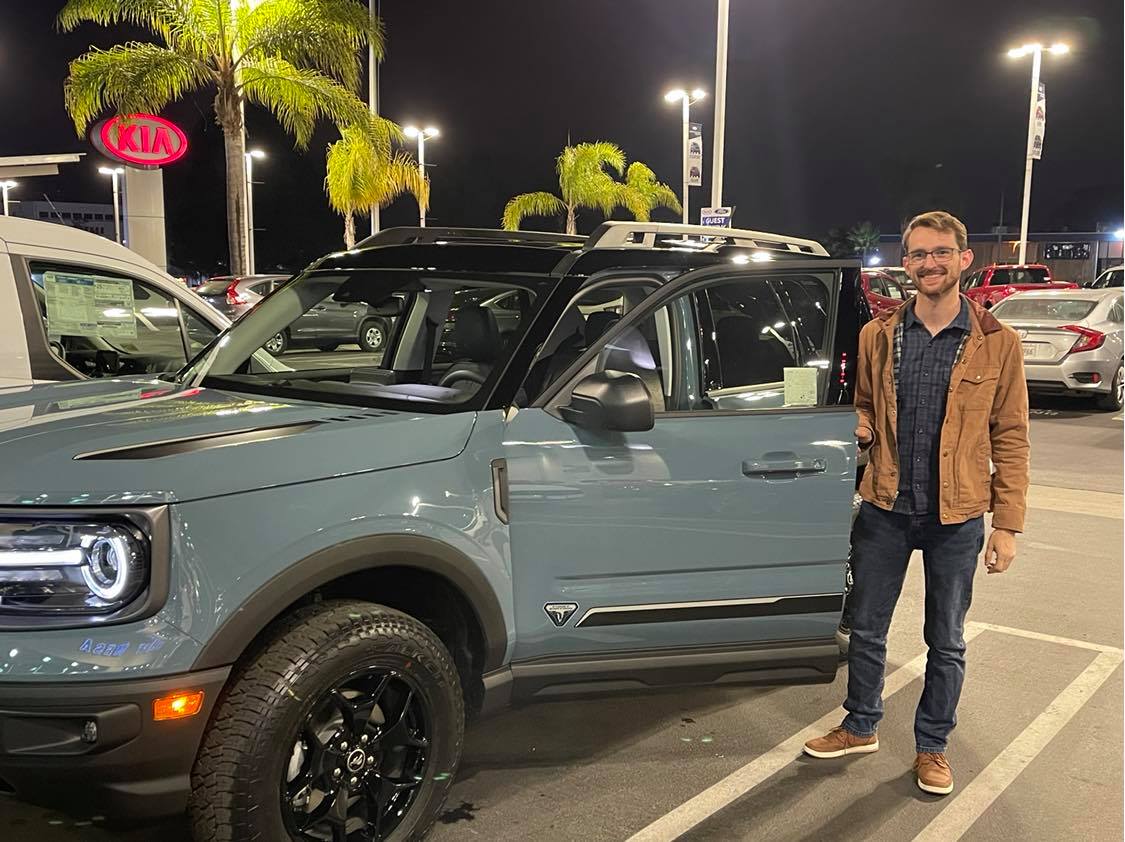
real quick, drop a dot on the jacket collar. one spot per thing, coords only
(982, 321)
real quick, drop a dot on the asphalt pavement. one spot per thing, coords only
(1037, 753)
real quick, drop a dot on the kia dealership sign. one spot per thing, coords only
(142, 140)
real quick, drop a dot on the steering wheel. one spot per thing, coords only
(457, 374)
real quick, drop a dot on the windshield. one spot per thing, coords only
(376, 336)
(1004, 277)
(1109, 278)
(1045, 309)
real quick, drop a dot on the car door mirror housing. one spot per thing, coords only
(610, 400)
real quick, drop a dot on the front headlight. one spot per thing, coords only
(57, 567)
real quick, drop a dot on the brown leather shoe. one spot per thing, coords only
(838, 742)
(934, 774)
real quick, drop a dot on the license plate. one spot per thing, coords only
(1031, 350)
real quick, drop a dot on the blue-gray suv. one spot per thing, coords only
(271, 588)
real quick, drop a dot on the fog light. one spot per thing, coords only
(177, 706)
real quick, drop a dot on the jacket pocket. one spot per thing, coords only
(977, 389)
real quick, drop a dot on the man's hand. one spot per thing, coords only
(864, 436)
(1001, 550)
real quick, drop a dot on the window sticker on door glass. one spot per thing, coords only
(800, 386)
(89, 305)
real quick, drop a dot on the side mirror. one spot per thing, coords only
(610, 400)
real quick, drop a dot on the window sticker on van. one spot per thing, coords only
(89, 305)
(800, 386)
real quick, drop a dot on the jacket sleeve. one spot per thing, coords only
(864, 398)
(1011, 450)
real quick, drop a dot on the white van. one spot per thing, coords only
(74, 305)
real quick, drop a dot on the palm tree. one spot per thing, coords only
(296, 58)
(583, 183)
(862, 238)
(363, 174)
(643, 193)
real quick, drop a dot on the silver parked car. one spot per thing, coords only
(1072, 341)
(1111, 277)
(235, 296)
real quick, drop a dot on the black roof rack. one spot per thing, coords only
(415, 235)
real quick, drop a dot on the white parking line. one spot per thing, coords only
(952, 822)
(1001, 772)
(738, 783)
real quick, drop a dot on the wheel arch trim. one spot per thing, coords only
(231, 639)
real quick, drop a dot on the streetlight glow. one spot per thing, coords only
(430, 131)
(1035, 113)
(698, 93)
(675, 95)
(256, 153)
(421, 135)
(410, 131)
(1119, 233)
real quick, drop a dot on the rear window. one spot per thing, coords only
(1044, 309)
(1003, 277)
(213, 287)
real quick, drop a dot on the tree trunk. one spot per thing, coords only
(571, 221)
(228, 114)
(349, 230)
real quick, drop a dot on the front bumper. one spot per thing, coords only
(125, 766)
(1072, 375)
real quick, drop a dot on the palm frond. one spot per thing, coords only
(323, 35)
(643, 193)
(583, 179)
(529, 204)
(299, 97)
(189, 26)
(128, 78)
(359, 176)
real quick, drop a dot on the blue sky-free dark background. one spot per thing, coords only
(837, 112)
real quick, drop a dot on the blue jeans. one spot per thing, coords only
(881, 546)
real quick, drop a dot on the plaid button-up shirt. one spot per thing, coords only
(922, 368)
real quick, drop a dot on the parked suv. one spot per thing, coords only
(74, 305)
(992, 284)
(271, 595)
(234, 296)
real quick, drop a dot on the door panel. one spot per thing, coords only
(714, 528)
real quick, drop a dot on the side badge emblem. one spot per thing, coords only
(560, 612)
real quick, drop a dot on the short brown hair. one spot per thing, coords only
(939, 221)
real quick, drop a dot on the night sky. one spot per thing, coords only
(837, 112)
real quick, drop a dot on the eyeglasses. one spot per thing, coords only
(941, 255)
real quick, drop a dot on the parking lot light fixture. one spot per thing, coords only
(251, 156)
(114, 173)
(687, 100)
(421, 135)
(1119, 233)
(6, 186)
(1036, 52)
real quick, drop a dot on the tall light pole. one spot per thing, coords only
(6, 186)
(688, 100)
(1036, 53)
(250, 156)
(373, 91)
(422, 135)
(114, 172)
(720, 104)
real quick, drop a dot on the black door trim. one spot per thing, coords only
(723, 609)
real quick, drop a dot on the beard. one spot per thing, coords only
(936, 282)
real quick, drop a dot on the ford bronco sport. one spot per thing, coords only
(271, 589)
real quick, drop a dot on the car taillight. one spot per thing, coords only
(1088, 340)
(234, 297)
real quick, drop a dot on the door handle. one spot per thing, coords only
(788, 468)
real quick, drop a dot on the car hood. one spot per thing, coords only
(136, 442)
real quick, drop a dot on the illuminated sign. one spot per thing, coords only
(143, 140)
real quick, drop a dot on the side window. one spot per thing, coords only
(198, 332)
(875, 281)
(102, 323)
(754, 341)
(894, 290)
(1117, 312)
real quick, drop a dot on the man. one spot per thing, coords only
(940, 392)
